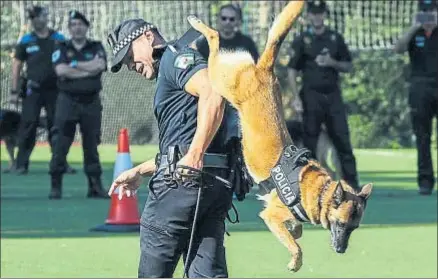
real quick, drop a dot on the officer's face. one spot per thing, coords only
(317, 19)
(78, 29)
(40, 22)
(140, 57)
(228, 21)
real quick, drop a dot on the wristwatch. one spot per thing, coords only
(74, 63)
(14, 92)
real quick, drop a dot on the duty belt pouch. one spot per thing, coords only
(172, 159)
(239, 176)
(23, 87)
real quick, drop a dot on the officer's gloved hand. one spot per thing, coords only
(325, 60)
(193, 162)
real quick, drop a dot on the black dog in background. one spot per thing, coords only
(9, 125)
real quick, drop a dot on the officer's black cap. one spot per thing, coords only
(121, 38)
(77, 15)
(427, 5)
(316, 6)
(35, 11)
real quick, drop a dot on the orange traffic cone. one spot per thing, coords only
(123, 214)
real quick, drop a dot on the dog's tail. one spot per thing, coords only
(278, 33)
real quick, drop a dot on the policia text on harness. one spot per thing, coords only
(285, 179)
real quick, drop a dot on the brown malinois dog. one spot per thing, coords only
(254, 90)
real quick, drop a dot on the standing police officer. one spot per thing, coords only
(229, 22)
(79, 64)
(188, 113)
(320, 54)
(35, 49)
(421, 42)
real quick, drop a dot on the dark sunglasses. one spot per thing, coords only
(230, 19)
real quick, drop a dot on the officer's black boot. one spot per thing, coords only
(56, 190)
(95, 188)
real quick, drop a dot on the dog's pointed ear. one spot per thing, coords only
(338, 194)
(365, 191)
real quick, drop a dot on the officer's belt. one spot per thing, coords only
(284, 178)
(211, 160)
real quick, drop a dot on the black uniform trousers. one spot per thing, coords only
(71, 111)
(329, 108)
(166, 224)
(30, 115)
(423, 101)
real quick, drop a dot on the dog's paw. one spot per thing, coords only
(295, 263)
(193, 20)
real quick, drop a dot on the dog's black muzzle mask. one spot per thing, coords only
(340, 235)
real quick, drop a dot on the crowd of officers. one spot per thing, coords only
(64, 77)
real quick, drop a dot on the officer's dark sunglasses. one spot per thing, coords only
(226, 18)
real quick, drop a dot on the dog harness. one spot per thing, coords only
(284, 178)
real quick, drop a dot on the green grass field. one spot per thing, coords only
(42, 238)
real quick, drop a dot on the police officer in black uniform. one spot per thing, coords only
(79, 64)
(320, 54)
(421, 42)
(35, 49)
(229, 21)
(188, 113)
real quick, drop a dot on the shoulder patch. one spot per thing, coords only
(27, 38)
(185, 60)
(56, 55)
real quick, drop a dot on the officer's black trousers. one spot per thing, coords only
(423, 101)
(88, 115)
(30, 116)
(166, 224)
(329, 109)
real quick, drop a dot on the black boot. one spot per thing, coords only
(56, 190)
(95, 188)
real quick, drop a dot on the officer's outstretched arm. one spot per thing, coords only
(17, 65)
(146, 168)
(210, 111)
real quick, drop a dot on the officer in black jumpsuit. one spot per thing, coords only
(188, 113)
(421, 42)
(229, 20)
(320, 54)
(35, 49)
(79, 64)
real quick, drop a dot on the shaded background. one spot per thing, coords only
(376, 93)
